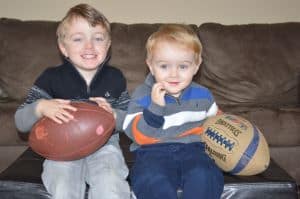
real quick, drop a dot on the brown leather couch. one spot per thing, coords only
(253, 71)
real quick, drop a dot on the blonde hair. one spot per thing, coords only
(85, 11)
(177, 33)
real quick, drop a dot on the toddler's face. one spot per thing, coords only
(173, 66)
(84, 45)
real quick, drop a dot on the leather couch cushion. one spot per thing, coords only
(8, 154)
(22, 180)
(26, 48)
(128, 50)
(280, 126)
(287, 158)
(3, 94)
(251, 64)
(9, 134)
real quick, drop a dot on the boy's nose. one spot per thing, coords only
(89, 44)
(174, 72)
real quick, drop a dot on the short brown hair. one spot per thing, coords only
(177, 33)
(93, 17)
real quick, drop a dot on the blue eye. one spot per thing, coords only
(183, 66)
(99, 39)
(163, 66)
(77, 39)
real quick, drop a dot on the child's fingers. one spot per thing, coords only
(102, 103)
(58, 121)
(65, 104)
(98, 99)
(157, 94)
(62, 101)
(106, 106)
(159, 88)
(68, 107)
(62, 116)
(66, 116)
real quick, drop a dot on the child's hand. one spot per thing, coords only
(103, 104)
(158, 94)
(55, 109)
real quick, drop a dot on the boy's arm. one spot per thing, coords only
(144, 118)
(26, 116)
(120, 109)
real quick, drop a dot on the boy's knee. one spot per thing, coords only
(110, 185)
(154, 186)
(200, 174)
(63, 188)
(152, 181)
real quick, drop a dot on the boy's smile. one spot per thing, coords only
(173, 65)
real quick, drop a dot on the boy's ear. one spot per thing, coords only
(62, 49)
(109, 42)
(198, 65)
(149, 64)
(200, 60)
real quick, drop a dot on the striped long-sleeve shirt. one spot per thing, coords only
(180, 120)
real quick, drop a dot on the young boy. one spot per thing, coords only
(84, 40)
(164, 121)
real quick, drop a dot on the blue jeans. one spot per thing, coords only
(160, 170)
(105, 171)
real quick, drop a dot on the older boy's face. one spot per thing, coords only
(84, 45)
(173, 66)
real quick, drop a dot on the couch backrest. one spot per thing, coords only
(128, 50)
(255, 64)
(26, 48)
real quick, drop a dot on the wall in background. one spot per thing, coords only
(160, 11)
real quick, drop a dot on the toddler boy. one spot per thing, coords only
(164, 121)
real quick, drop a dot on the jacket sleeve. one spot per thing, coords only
(120, 107)
(25, 115)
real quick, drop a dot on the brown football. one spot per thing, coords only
(88, 131)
